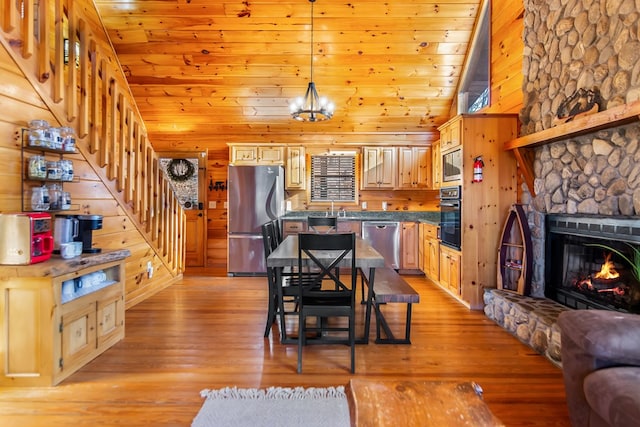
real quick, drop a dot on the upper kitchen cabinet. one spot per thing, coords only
(436, 165)
(414, 167)
(256, 154)
(295, 176)
(379, 168)
(450, 134)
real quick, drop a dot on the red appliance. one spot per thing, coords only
(25, 238)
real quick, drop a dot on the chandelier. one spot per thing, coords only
(311, 107)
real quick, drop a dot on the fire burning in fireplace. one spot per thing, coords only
(606, 280)
(607, 271)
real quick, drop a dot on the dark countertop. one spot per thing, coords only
(430, 217)
(57, 266)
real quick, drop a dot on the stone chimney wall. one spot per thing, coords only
(571, 45)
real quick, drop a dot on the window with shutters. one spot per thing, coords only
(333, 178)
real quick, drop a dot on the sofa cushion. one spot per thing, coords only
(614, 394)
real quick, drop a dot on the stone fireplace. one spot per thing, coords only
(571, 45)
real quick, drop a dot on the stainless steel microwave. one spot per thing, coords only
(452, 165)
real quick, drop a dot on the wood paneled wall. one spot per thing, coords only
(118, 171)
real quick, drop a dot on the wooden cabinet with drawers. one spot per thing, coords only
(56, 317)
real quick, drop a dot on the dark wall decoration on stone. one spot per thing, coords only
(183, 176)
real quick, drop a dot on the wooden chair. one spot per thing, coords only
(322, 224)
(334, 298)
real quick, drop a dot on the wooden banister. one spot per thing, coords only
(90, 94)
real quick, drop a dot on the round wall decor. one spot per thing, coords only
(180, 170)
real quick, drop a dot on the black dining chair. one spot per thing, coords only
(322, 224)
(335, 297)
(277, 230)
(281, 294)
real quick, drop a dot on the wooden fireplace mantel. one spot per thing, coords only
(523, 146)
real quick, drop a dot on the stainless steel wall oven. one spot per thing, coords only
(450, 221)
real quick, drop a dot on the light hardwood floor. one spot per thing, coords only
(206, 332)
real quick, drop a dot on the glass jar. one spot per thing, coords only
(67, 169)
(40, 198)
(37, 167)
(56, 139)
(68, 139)
(39, 133)
(55, 197)
(54, 171)
(66, 201)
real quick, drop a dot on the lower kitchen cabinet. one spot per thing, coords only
(430, 251)
(409, 246)
(450, 269)
(55, 318)
(293, 227)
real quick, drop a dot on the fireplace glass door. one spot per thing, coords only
(585, 270)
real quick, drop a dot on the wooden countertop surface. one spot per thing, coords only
(57, 266)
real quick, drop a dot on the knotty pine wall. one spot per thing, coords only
(20, 103)
(506, 97)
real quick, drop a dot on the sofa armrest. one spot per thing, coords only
(592, 340)
(605, 335)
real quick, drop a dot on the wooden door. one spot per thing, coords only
(195, 240)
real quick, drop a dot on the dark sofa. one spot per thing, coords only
(601, 367)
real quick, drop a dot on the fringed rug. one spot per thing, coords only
(273, 407)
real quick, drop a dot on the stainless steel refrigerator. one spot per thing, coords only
(256, 196)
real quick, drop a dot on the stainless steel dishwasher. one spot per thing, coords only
(384, 236)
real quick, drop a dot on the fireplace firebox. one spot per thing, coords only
(588, 262)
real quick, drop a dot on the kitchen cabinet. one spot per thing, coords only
(450, 134)
(56, 317)
(350, 226)
(379, 167)
(414, 167)
(256, 154)
(431, 251)
(295, 176)
(436, 165)
(290, 226)
(409, 246)
(450, 269)
(485, 204)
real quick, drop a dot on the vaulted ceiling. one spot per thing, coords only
(203, 70)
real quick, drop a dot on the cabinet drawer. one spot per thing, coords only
(430, 231)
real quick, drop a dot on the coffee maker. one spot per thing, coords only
(66, 229)
(86, 225)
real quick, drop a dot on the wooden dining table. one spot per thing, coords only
(286, 255)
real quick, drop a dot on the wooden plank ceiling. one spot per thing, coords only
(204, 68)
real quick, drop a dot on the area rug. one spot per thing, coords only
(274, 407)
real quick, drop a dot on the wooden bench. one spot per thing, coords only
(390, 287)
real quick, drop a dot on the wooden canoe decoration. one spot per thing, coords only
(515, 253)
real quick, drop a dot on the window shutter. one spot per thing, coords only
(333, 178)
